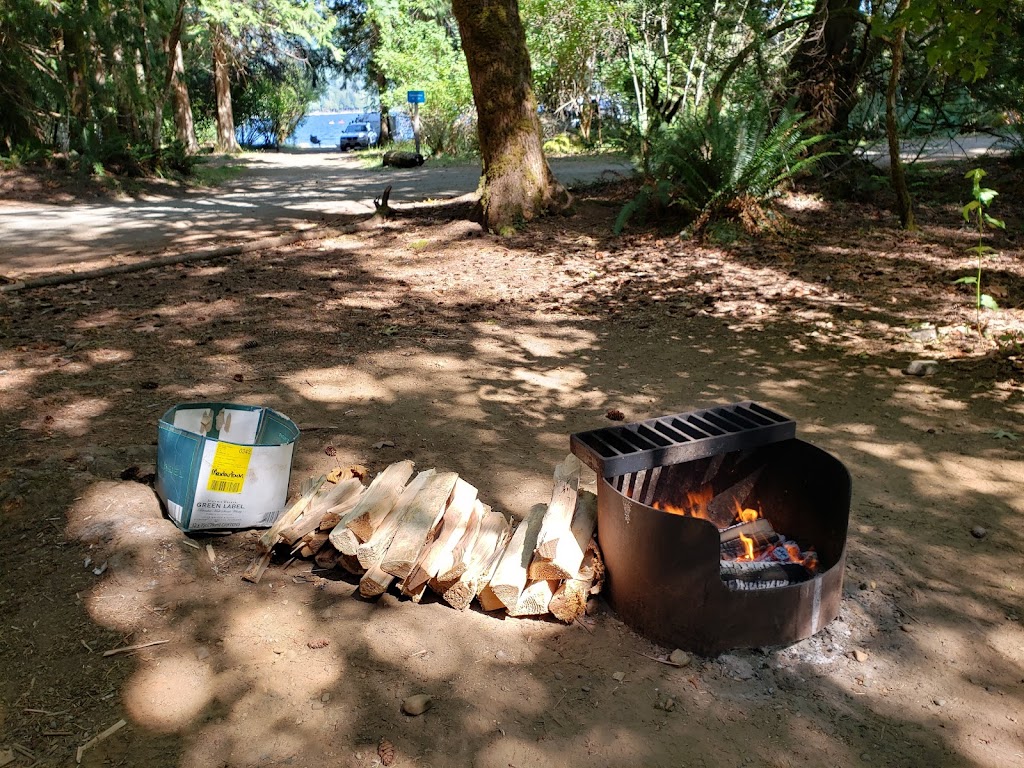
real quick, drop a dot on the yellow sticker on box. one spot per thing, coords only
(230, 463)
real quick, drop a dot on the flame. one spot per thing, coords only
(696, 504)
(748, 545)
(748, 515)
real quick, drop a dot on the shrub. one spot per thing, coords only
(724, 166)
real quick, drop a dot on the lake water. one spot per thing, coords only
(328, 128)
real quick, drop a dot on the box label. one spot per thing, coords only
(230, 463)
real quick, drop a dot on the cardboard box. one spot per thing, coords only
(224, 466)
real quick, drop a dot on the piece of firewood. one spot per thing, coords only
(510, 576)
(371, 552)
(558, 520)
(454, 561)
(327, 557)
(255, 570)
(330, 519)
(424, 512)
(535, 598)
(344, 496)
(375, 582)
(448, 531)
(489, 546)
(569, 549)
(310, 544)
(350, 564)
(270, 536)
(570, 600)
(376, 502)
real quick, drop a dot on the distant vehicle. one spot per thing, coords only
(357, 135)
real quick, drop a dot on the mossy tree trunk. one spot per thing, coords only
(517, 184)
(904, 204)
(828, 63)
(226, 141)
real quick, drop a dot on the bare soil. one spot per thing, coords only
(481, 355)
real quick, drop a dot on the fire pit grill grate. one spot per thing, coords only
(614, 451)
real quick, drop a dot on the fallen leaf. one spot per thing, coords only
(330, 450)
(238, 377)
(320, 642)
(383, 444)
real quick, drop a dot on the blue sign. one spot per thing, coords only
(417, 97)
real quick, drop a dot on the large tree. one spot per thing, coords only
(517, 184)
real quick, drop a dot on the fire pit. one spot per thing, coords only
(719, 528)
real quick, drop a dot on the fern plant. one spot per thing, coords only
(728, 164)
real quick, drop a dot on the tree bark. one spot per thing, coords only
(517, 185)
(226, 141)
(904, 205)
(183, 125)
(827, 65)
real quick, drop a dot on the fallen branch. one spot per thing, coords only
(131, 648)
(97, 739)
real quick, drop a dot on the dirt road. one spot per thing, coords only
(272, 193)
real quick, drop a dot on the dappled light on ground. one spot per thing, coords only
(481, 355)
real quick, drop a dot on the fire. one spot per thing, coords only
(748, 545)
(748, 515)
(696, 504)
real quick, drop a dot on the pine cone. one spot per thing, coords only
(386, 751)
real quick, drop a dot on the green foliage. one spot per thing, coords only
(727, 165)
(274, 101)
(977, 211)
(564, 144)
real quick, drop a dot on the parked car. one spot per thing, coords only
(357, 135)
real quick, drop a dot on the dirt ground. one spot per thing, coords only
(481, 355)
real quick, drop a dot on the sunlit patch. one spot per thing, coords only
(337, 386)
(76, 418)
(169, 696)
(802, 202)
(105, 356)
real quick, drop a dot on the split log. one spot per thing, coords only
(310, 544)
(329, 520)
(371, 552)
(271, 536)
(344, 496)
(424, 512)
(558, 520)
(510, 576)
(373, 505)
(455, 560)
(570, 600)
(534, 600)
(255, 571)
(327, 557)
(489, 546)
(569, 549)
(447, 532)
(349, 564)
(375, 582)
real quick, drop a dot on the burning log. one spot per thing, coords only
(570, 545)
(510, 577)
(371, 552)
(373, 506)
(448, 531)
(488, 548)
(424, 512)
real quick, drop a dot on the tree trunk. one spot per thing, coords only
(517, 184)
(904, 205)
(226, 141)
(184, 128)
(827, 65)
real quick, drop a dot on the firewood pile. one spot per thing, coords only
(429, 530)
